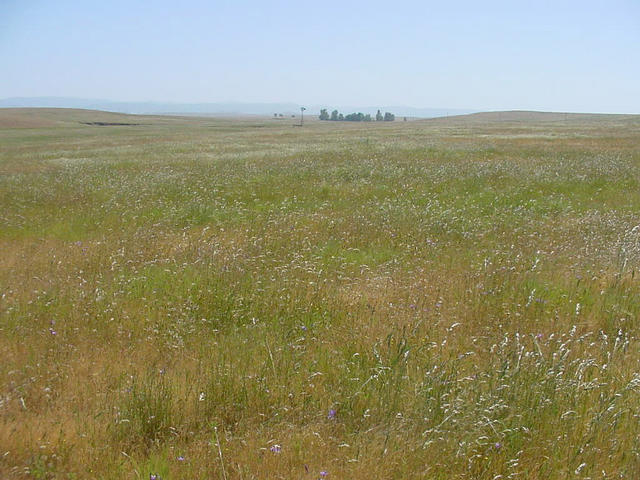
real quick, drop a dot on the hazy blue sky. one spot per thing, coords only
(543, 55)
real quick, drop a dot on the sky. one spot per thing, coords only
(578, 56)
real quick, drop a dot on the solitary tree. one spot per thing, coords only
(324, 115)
(334, 115)
(379, 116)
(389, 117)
(341, 117)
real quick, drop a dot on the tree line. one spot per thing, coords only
(355, 117)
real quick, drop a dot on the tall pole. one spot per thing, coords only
(302, 109)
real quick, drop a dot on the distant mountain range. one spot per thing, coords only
(229, 108)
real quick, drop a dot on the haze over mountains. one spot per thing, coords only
(218, 108)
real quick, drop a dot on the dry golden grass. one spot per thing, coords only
(238, 299)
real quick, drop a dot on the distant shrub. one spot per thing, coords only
(354, 117)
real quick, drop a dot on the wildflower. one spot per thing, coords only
(324, 473)
(276, 448)
(180, 458)
(538, 336)
(303, 328)
(53, 332)
(497, 446)
(332, 414)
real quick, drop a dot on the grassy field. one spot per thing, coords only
(242, 299)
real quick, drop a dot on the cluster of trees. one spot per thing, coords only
(355, 117)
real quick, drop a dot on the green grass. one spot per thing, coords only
(181, 296)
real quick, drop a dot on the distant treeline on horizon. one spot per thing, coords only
(355, 117)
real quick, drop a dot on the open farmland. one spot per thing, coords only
(242, 299)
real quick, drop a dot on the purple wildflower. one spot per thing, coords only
(332, 414)
(53, 332)
(181, 458)
(497, 446)
(324, 473)
(276, 448)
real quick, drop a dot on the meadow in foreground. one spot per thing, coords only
(242, 299)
